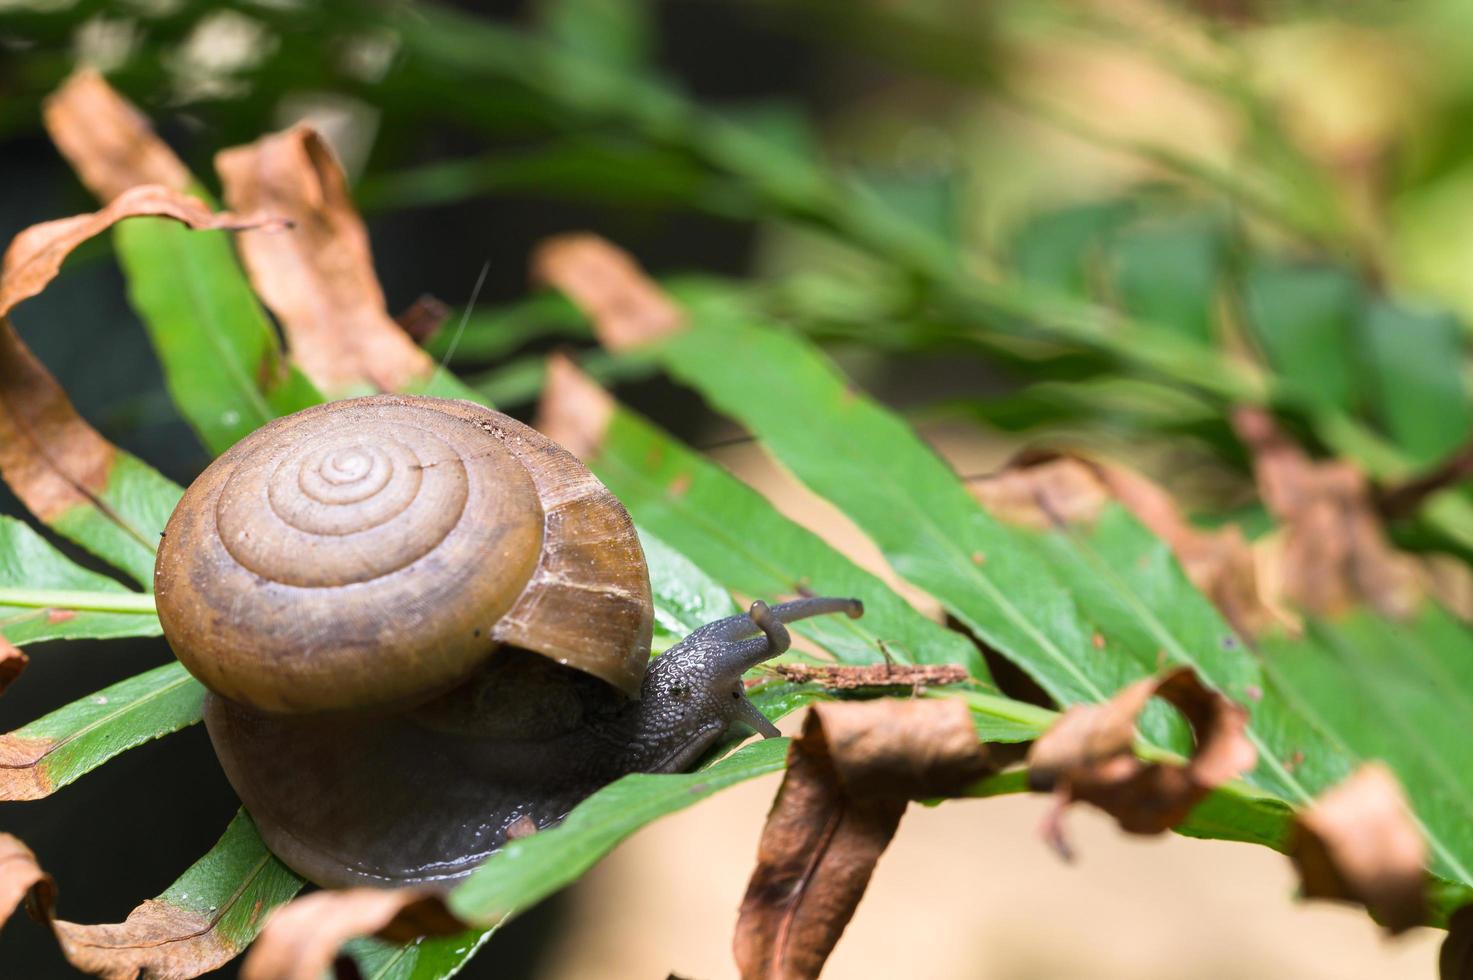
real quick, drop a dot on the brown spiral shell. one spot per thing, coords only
(373, 552)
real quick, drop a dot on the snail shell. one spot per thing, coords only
(372, 553)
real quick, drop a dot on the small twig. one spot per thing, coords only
(848, 678)
(1404, 499)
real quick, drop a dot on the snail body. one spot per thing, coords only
(426, 627)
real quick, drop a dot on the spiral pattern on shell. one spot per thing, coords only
(373, 552)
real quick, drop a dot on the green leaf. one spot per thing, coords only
(896, 489)
(528, 870)
(1304, 318)
(1058, 250)
(741, 540)
(686, 598)
(618, 33)
(1166, 273)
(221, 359)
(234, 885)
(123, 524)
(1402, 693)
(931, 197)
(45, 596)
(1046, 601)
(424, 959)
(1414, 361)
(40, 758)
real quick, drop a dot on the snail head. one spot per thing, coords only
(694, 692)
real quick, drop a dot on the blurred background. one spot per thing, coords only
(946, 194)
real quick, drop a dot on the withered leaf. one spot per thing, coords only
(51, 458)
(575, 411)
(318, 279)
(423, 317)
(626, 306)
(1359, 843)
(20, 877)
(13, 660)
(1088, 754)
(21, 775)
(158, 941)
(1052, 491)
(107, 141)
(301, 939)
(1335, 554)
(36, 254)
(850, 774)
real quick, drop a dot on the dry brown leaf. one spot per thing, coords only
(157, 941)
(575, 411)
(301, 939)
(850, 677)
(318, 279)
(13, 660)
(51, 458)
(850, 774)
(1455, 959)
(626, 307)
(22, 777)
(107, 141)
(1052, 491)
(1334, 553)
(21, 877)
(1359, 843)
(1088, 754)
(35, 255)
(423, 318)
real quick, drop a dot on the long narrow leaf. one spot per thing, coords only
(40, 758)
(45, 596)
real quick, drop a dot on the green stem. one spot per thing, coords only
(106, 602)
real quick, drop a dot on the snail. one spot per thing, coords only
(425, 629)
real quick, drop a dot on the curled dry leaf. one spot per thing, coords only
(850, 774)
(1334, 552)
(51, 458)
(1088, 754)
(319, 278)
(851, 677)
(13, 660)
(1052, 491)
(108, 142)
(301, 939)
(1359, 843)
(626, 306)
(158, 939)
(20, 877)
